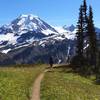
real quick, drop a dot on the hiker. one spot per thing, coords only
(68, 59)
(51, 62)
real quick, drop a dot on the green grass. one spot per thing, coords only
(16, 83)
(62, 84)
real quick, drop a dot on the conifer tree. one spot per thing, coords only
(85, 26)
(82, 29)
(86, 36)
(92, 38)
(79, 34)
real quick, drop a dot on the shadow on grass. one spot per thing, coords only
(62, 66)
(60, 69)
(68, 69)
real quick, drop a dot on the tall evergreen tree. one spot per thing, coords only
(85, 27)
(92, 38)
(86, 48)
(82, 39)
(79, 34)
(82, 29)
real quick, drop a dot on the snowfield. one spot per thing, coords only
(8, 37)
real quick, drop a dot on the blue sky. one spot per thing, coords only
(55, 12)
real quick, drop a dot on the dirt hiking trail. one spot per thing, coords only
(36, 86)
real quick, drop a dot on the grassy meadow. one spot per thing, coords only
(16, 83)
(63, 84)
(59, 83)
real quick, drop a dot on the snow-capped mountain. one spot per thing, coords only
(25, 23)
(69, 28)
(29, 39)
(26, 29)
(67, 33)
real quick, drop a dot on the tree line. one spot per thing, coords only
(87, 58)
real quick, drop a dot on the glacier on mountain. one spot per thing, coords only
(26, 29)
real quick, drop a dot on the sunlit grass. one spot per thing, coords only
(16, 83)
(62, 84)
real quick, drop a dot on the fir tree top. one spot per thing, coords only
(84, 6)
